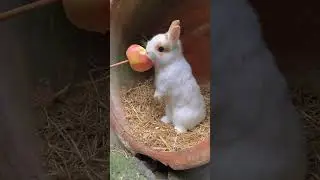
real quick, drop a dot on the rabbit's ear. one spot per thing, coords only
(174, 33)
(174, 30)
(173, 24)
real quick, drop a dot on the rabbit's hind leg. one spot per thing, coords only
(185, 119)
(180, 129)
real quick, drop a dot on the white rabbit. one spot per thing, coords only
(174, 81)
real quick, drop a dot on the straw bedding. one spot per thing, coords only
(143, 114)
(308, 106)
(75, 131)
(77, 139)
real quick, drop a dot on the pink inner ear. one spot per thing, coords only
(174, 33)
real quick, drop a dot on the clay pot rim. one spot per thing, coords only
(186, 159)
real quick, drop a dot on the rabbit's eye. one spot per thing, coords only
(160, 49)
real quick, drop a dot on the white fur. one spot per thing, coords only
(174, 82)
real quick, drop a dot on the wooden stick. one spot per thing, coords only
(25, 8)
(119, 63)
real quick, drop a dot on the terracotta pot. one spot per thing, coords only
(91, 15)
(194, 17)
(186, 159)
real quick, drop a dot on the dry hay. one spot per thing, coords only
(143, 114)
(77, 139)
(308, 106)
(76, 133)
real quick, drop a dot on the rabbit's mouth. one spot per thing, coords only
(152, 56)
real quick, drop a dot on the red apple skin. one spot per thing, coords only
(145, 64)
(138, 60)
(132, 53)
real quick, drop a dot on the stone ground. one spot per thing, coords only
(127, 167)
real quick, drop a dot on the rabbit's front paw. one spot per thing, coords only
(157, 96)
